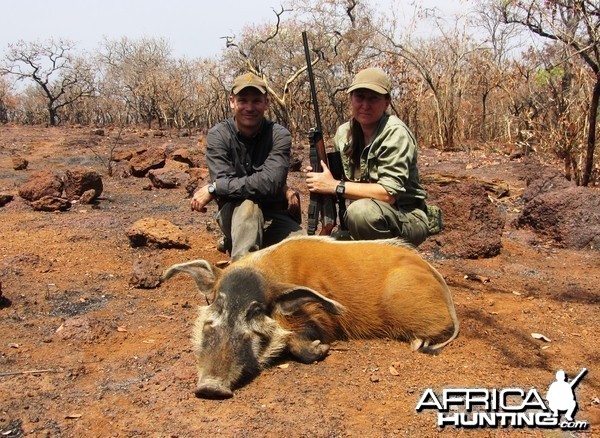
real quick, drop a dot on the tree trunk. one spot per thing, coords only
(52, 115)
(484, 116)
(591, 140)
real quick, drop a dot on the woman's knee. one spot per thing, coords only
(366, 221)
(363, 211)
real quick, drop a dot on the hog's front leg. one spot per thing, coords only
(306, 350)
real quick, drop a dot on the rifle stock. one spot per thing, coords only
(320, 206)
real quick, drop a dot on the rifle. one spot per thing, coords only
(321, 205)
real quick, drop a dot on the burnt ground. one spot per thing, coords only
(83, 353)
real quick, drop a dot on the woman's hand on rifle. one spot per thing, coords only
(321, 182)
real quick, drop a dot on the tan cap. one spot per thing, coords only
(373, 79)
(248, 80)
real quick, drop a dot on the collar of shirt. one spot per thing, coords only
(242, 137)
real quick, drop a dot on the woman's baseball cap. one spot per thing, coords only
(372, 79)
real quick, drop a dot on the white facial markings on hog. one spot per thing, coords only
(234, 337)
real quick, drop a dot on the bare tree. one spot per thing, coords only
(62, 77)
(443, 63)
(337, 31)
(6, 100)
(136, 72)
(258, 48)
(491, 65)
(575, 24)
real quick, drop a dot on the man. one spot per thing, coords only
(248, 159)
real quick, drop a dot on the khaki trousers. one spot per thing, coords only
(249, 228)
(370, 219)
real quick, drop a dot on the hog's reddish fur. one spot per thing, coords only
(386, 288)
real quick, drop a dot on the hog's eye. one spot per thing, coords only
(255, 310)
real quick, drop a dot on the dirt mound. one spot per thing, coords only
(472, 224)
(557, 210)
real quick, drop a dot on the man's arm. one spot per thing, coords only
(200, 199)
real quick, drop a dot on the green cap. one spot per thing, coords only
(372, 79)
(248, 80)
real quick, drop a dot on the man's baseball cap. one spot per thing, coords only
(372, 79)
(248, 80)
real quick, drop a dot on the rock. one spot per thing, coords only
(20, 163)
(197, 178)
(120, 169)
(167, 178)
(5, 199)
(198, 173)
(78, 181)
(569, 216)
(182, 156)
(4, 301)
(543, 179)
(99, 132)
(122, 155)
(156, 233)
(40, 184)
(146, 161)
(146, 273)
(88, 196)
(51, 203)
(177, 166)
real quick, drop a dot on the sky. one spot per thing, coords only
(194, 28)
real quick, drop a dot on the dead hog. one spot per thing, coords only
(305, 292)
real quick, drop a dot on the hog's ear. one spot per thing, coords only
(204, 274)
(291, 297)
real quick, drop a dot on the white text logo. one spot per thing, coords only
(508, 407)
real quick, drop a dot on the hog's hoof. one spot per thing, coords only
(309, 352)
(213, 391)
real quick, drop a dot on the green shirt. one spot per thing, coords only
(390, 160)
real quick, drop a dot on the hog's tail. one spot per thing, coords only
(436, 348)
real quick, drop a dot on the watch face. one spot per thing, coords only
(211, 189)
(340, 189)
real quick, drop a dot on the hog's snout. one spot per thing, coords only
(213, 390)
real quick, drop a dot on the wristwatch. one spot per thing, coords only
(340, 189)
(211, 188)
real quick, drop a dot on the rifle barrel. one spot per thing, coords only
(311, 79)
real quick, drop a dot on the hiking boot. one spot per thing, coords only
(435, 218)
(224, 245)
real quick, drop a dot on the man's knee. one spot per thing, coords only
(247, 210)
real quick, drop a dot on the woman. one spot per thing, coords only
(379, 157)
